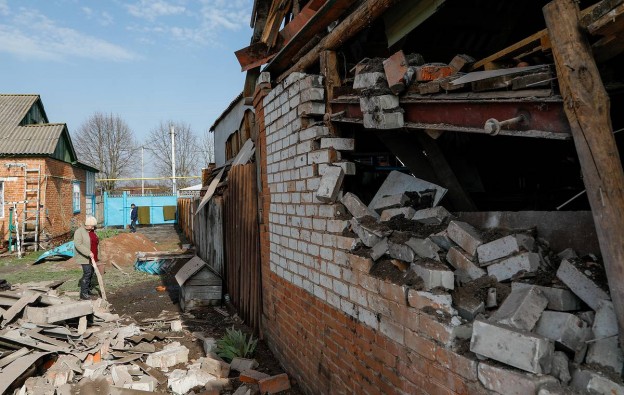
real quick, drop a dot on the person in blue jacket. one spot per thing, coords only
(134, 216)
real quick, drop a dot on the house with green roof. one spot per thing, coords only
(45, 191)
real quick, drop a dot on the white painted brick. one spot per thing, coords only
(465, 235)
(592, 382)
(319, 292)
(313, 132)
(337, 143)
(337, 225)
(424, 248)
(379, 103)
(559, 299)
(368, 317)
(341, 289)
(522, 309)
(368, 80)
(464, 263)
(583, 286)
(400, 251)
(355, 206)
(311, 81)
(348, 167)
(312, 94)
(508, 267)
(605, 322)
(313, 183)
(311, 109)
(434, 275)
(359, 296)
(327, 155)
(330, 185)
(564, 328)
(389, 202)
(348, 308)
(368, 236)
(607, 353)
(384, 120)
(519, 349)
(388, 214)
(307, 146)
(504, 247)
(508, 382)
(292, 78)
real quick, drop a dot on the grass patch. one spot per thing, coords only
(106, 233)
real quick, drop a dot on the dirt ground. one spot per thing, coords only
(155, 308)
(135, 295)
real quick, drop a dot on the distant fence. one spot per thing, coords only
(154, 209)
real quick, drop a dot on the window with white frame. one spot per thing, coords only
(76, 197)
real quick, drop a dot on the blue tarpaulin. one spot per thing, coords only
(64, 250)
(159, 266)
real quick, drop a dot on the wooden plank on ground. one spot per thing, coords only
(155, 373)
(17, 308)
(16, 369)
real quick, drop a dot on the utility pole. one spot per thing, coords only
(173, 161)
(142, 179)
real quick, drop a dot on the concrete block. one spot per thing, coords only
(369, 80)
(369, 236)
(465, 235)
(120, 375)
(509, 382)
(331, 182)
(504, 247)
(57, 313)
(401, 251)
(348, 168)
(583, 286)
(338, 143)
(176, 326)
(607, 353)
(568, 253)
(442, 240)
(434, 274)
(181, 381)
(521, 309)
(388, 202)
(384, 120)
(379, 103)
(379, 249)
(390, 213)
(559, 299)
(145, 383)
(469, 308)
(215, 366)
(431, 216)
(424, 248)
(523, 350)
(168, 357)
(589, 381)
(561, 367)
(506, 268)
(605, 321)
(564, 328)
(242, 364)
(355, 206)
(464, 263)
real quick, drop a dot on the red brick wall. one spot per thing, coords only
(334, 327)
(56, 185)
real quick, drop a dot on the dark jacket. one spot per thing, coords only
(134, 214)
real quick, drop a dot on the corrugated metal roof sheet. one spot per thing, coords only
(31, 139)
(13, 108)
(38, 139)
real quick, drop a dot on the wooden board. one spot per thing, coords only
(191, 267)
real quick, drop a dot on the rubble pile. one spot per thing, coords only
(515, 301)
(52, 344)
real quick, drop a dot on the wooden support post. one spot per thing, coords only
(329, 70)
(587, 109)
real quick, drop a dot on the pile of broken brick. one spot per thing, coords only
(515, 301)
(52, 344)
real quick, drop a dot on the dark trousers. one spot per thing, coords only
(133, 226)
(85, 281)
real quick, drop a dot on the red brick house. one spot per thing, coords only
(45, 192)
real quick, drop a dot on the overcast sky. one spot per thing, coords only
(144, 60)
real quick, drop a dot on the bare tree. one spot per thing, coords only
(187, 153)
(207, 148)
(105, 142)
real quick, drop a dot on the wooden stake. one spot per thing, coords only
(586, 104)
(329, 69)
(99, 278)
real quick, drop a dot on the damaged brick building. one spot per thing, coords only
(439, 195)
